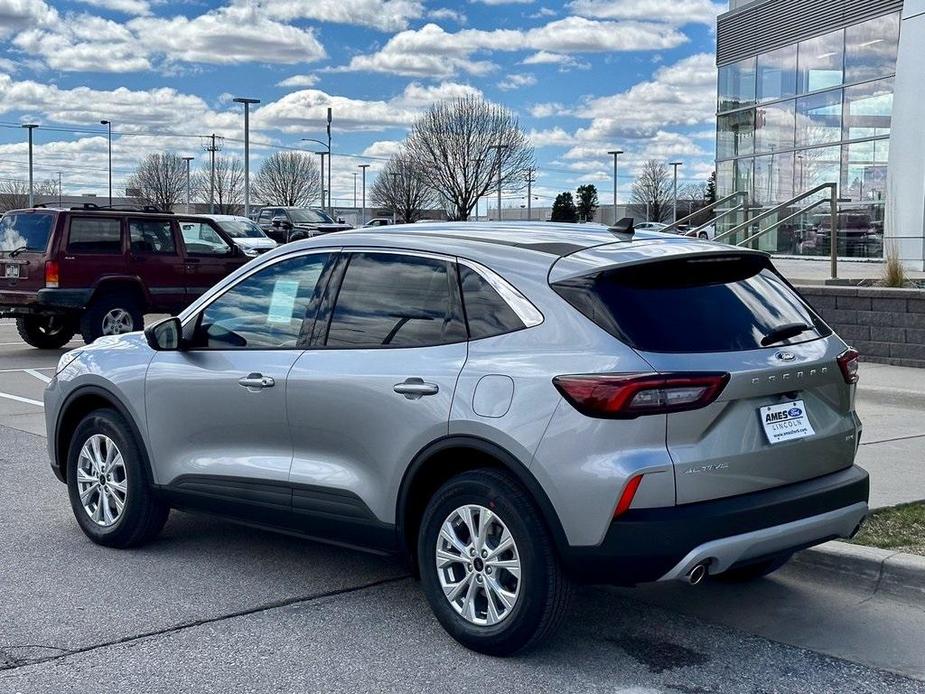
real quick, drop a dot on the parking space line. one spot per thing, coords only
(28, 401)
(35, 374)
(35, 368)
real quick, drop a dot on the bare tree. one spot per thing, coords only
(160, 180)
(229, 185)
(402, 188)
(288, 178)
(652, 190)
(453, 146)
(14, 193)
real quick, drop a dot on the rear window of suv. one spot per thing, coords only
(95, 235)
(27, 230)
(705, 304)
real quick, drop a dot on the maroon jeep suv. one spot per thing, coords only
(98, 271)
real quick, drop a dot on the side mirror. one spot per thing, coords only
(165, 335)
(341, 220)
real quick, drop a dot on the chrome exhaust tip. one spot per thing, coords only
(697, 574)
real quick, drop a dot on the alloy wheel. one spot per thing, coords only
(101, 481)
(478, 565)
(117, 321)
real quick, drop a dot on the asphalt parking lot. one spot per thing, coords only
(212, 606)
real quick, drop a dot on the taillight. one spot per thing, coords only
(848, 363)
(51, 273)
(625, 396)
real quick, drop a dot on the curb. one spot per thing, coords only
(877, 570)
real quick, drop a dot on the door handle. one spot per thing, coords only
(414, 388)
(256, 381)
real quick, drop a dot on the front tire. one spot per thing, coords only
(488, 565)
(111, 314)
(46, 332)
(109, 492)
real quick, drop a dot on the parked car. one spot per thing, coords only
(705, 233)
(98, 271)
(858, 235)
(379, 222)
(285, 224)
(244, 232)
(651, 226)
(510, 408)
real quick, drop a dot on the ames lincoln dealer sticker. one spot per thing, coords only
(786, 422)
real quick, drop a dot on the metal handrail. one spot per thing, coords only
(710, 207)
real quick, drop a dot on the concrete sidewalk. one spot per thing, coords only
(813, 270)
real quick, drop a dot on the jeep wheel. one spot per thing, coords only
(487, 564)
(46, 332)
(111, 314)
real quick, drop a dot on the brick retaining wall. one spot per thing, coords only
(884, 325)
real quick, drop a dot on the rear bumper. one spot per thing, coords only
(43, 301)
(665, 543)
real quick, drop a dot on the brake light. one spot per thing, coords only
(625, 396)
(848, 363)
(626, 498)
(51, 273)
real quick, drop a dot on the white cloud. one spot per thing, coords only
(385, 15)
(432, 51)
(553, 137)
(502, 2)
(677, 12)
(382, 149)
(16, 15)
(543, 12)
(299, 81)
(516, 81)
(133, 7)
(442, 13)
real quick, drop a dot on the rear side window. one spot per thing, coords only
(391, 300)
(95, 235)
(27, 231)
(713, 304)
(151, 236)
(486, 312)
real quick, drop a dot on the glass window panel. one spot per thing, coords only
(867, 109)
(820, 62)
(151, 236)
(735, 134)
(725, 178)
(819, 118)
(737, 85)
(818, 166)
(486, 312)
(95, 235)
(870, 48)
(777, 74)
(774, 126)
(773, 179)
(743, 176)
(864, 171)
(201, 239)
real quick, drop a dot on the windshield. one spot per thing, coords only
(28, 230)
(307, 216)
(241, 229)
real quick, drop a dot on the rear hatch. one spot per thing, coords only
(24, 238)
(786, 413)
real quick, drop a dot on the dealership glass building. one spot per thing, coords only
(805, 96)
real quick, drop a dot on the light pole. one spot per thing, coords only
(323, 155)
(394, 176)
(354, 191)
(188, 160)
(329, 162)
(616, 155)
(30, 127)
(363, 216)
(60, 192)
(674, 165)
(247, 150)
(108, 124)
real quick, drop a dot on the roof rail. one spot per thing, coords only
(148, 209)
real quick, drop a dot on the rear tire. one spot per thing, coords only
(528, 591)
(111, 314)
(751, 572)
(46, 332)
(109, 491)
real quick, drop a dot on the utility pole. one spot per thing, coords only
(30, 127)
(354, 191)
(478, 162)
(330, 207)
(498, 149)
(322, 155)
(213, 144)
(247, 151)
(395, 194)
(530, 182)
(616, 155)
(363, 216)
(674, 165)
(60, 193)
(108, 124)
(188, 160)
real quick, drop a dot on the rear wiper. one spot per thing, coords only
(782, 332)
(17, 251)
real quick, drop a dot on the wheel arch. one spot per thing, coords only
(446, 457)
(75, 407)
(127, 283)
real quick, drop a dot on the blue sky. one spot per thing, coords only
(584, 76)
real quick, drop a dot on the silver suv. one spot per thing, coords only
(513, 409)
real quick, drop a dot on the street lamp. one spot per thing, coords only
(30, 127)
(324, 154)
(330, 207)
(354, 192)
(363, 216)
(188, 160)
(247, 151)
(616, 154)
(108, 124)
(674, 165)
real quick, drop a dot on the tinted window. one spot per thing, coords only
(307, 216)
(486, 312)
(692, 305)
(265, 311)
(28, 231)
(151, 236)
(95, 235)
(241, 229)
(389, 300)
(201, 239)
